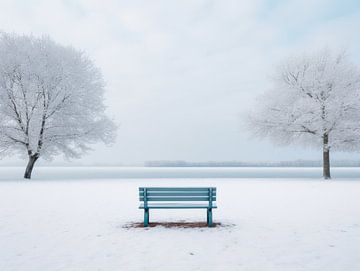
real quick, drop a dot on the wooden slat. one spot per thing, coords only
(176, 188)
(177, 198)
(176, 206)
(177, 193)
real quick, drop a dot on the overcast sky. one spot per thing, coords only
(182, 74)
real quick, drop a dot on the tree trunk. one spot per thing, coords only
(326, 157)
(30, 166)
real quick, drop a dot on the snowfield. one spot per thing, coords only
(268, 224)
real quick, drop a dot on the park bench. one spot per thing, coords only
(177, 198)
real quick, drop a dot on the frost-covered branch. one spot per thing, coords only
(51, 99)
(315, 100)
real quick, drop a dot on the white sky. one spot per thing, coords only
(181, 74)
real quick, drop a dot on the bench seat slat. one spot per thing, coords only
(177, 199)
(177, 193)
(177, 188)
(177, 206)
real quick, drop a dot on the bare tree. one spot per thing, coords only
(314, 101)
(51, 100)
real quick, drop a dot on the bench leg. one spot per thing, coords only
(146, 217)
(209, 217)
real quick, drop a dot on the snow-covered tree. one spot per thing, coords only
(51, 100)
(314, 101)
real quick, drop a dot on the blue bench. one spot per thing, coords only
(177, 198)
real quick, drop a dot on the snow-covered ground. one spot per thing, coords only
(302, 224)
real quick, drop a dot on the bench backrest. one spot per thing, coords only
(177, 194)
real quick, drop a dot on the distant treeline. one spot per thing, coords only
(296, 163)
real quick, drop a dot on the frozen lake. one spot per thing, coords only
(10, 173)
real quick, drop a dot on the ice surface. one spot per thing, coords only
(46, 173)
(302, 224)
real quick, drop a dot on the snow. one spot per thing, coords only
(268, 224)
(51, 99)
(314, 100)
